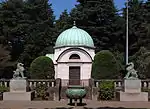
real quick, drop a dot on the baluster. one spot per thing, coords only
(30, 83)
(115, 84)
(34, 84)
(97, 83)
(52, 84)
(119, 84)
(5, 83)
(1, 83)
(148, 85)
(48, 84)
(145, 84)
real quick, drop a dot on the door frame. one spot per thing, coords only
(76, 80)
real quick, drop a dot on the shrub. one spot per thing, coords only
(42, 68)
(106, 90)
(105, 66)
(41, 90)
(3, 89)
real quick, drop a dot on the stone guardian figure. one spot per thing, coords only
(131, 72)
(19, 71)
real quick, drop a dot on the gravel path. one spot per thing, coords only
(64, 105)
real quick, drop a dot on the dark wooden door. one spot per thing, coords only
(74, 75)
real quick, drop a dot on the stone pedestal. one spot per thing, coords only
(132, 91)
(126, 96)
(18, 90)
(18, 85)
(17, 96)
(132, 86)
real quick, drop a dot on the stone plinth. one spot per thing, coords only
(132, 91)
(18, 85)
(132, 86)
(17, 96)
(126, 96)
(18, 90)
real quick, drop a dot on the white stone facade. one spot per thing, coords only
(62, 62)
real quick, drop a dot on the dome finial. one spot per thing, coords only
(74, 23)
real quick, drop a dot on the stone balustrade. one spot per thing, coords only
(118, 83)
(83, 82)
(51, 82)
(32, 82)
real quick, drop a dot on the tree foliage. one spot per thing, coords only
(64, 22)
(138, 25)
(101, 21)
(42, 68)
(41, 31)
(142, 62)
(105, 66)
(29, 29)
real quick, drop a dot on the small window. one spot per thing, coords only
(74, 56)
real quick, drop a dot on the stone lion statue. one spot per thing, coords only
(19, 71)
(131, 72)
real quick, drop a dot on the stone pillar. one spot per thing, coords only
(94, 90)
(57, 89)
(91, 85)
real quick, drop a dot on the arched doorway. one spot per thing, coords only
(74, 71)
(74, 75)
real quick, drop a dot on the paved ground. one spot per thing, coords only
(63, 105)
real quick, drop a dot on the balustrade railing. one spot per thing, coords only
(51, 82)
(118, 83)
(83, 82)
(32, 82)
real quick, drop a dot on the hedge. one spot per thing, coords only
(42, 68)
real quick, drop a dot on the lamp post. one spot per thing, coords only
(127, 34)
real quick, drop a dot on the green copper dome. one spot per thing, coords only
(74, 37)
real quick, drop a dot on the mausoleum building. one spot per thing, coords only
(73, 56)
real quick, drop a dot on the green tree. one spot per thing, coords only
(64, 22)
(101, 21)
(41, 32)
(147, 21)
(137, 25)
(5, 59)
(142, 62)
(105, 66)
(42, 68)
(14, 25)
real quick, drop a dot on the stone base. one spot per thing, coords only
(19, 85)
(132, 86)
(125, 96)
(18, 96)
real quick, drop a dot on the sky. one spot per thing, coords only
(60, 5)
